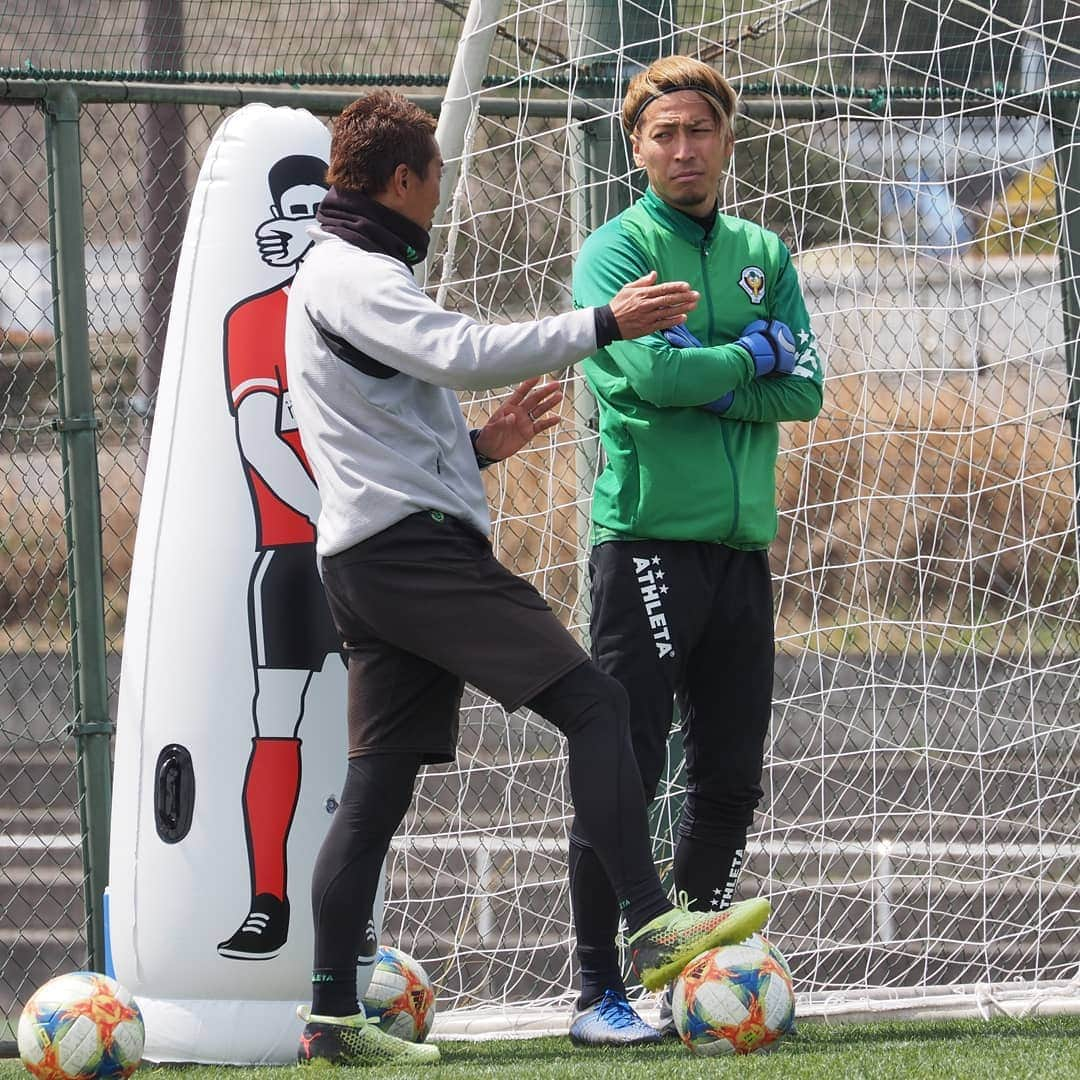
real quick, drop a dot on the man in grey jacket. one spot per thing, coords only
(416, 593)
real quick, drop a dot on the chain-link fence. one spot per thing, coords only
(926, 581)
(920, 820)
(930, 48)
(44, 924)
(43, 918)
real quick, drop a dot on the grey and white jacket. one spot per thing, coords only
(373, 363)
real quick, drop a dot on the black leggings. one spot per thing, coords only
(590, 708)
(348, 871)
(693, 622)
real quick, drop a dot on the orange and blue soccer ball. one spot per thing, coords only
(736, 999)
(81, 1026)
(400, 996)
(776, 955)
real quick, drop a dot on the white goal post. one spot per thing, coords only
(920, 833)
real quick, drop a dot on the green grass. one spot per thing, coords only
(1001, 1049)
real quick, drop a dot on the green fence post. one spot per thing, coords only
(601, 31)
(77, 427)
(1067, 161)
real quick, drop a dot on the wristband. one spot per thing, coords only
(481, 460)
(607, 326)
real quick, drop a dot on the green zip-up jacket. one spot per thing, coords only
(673, 470)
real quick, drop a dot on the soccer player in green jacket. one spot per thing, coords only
(685, 507)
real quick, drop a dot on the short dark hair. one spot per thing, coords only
(376, 134)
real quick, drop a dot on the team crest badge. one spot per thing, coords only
(752, 282)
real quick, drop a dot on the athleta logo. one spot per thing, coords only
(722, 899)
(650, 576)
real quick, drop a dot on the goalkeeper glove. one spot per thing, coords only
(771, 346)
(681, 338)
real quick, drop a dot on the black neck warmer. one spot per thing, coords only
(709, 219)
(358, 219)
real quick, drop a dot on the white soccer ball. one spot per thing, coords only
(772, 950)
(400, 996)
(83, 1025)
(737, 999)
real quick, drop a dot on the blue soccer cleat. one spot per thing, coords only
(611, 1021)
(666, 1026)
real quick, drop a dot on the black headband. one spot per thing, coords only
(673, 90)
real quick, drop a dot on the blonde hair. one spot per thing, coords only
(673, 73)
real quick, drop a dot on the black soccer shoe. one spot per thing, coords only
(262, 933)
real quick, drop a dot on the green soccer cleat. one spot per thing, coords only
(356, 1041)
(663, 947)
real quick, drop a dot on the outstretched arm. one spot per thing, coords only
(403, 328)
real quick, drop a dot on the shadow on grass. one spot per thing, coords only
(554, 1049)
(810, 1038)
(818, 1035)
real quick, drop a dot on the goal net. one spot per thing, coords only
(919, 834)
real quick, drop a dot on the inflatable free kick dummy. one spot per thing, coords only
(230, 746)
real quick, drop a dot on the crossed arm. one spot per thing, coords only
(670, 375)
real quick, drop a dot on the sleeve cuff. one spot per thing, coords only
(607, 327)
(481, 461)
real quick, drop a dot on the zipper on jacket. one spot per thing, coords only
(703, 250)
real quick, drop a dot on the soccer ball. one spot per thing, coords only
(81, 1025)
(400, 996)
(736, 999)
(772, 950)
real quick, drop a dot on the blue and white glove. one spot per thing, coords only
(771, 345)
(681, 338)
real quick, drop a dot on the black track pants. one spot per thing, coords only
(692, 623)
